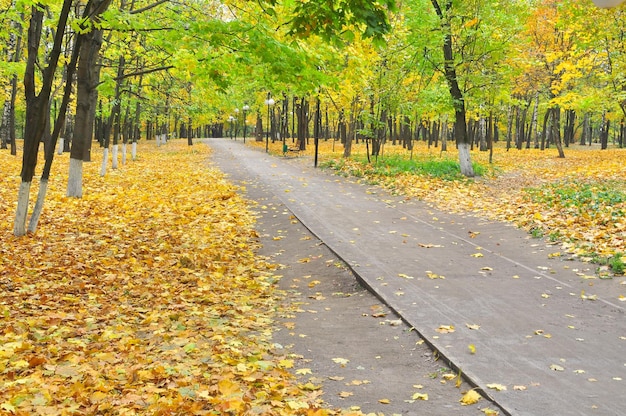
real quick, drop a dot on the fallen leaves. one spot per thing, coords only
(445, 329)
(145, 296)
(470, 397)
(496, 386)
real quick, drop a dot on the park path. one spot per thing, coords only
(486, 296)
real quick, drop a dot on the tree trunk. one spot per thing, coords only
(556, 129)
(37, 107)
(58, 127)
(301, 116)
(458, 101)
(534, 121)
(585, 132)
(604, 135)
(88, 75)
(259, 128)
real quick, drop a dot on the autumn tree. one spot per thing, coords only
(37, 102)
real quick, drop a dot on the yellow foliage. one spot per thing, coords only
(139, 297)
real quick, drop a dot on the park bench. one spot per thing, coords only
(288, 149)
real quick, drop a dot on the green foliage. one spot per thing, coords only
(389, 166)
(333, 19)
(616, 263)
(577, 197)
(537, 232)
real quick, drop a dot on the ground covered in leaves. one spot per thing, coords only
(146, 295)
(143, 297)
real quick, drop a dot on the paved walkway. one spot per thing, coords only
(466, 284)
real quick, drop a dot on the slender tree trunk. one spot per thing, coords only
(58, 127)
(604, 135)
(37, 105)
(585, 132)
(534, 122)
(556, 129)
(458, 101)
(88, 75)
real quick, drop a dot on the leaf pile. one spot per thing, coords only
(143, 297)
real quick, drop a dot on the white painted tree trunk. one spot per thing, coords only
(114, 154)
(158, 140)
(75, 179)
(41, 197)
(465, 161)
(105, 159)
(61, 145)
(19, 226)
(123, 154)
(133, 151)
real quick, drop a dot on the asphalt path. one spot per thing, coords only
(537, 332)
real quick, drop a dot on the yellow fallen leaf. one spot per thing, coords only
(477, 255)
(384, 401)
(297, 405)
(471, 397)
(314, 283)
(472, 326)
(345, 394)
(286, 363)
(405, 276)
(309, 386)
(495, 386)
(445, 329)
(472, 348)
(432, 275)
(341, 361)
(519, 388)
(420, 396)
(429, 245)
(303, 371)
(490, 412)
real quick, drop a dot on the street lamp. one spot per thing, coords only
(236, 122)
(245, 123)
(269, 102)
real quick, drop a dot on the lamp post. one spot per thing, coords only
(245, 123)
(269, 102)
(236, 122)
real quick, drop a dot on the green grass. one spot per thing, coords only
(579, 197)
(448, 169)
(616, 263)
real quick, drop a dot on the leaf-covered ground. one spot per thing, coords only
(143, 297)
(579, 201)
